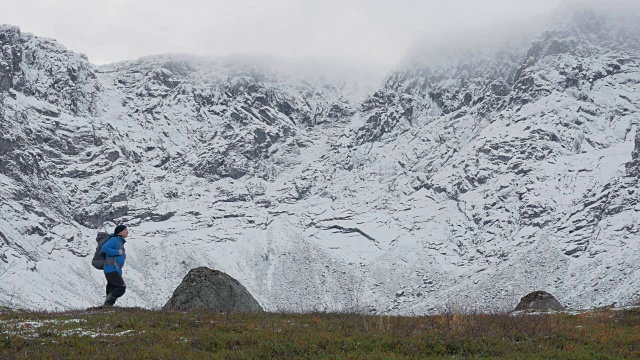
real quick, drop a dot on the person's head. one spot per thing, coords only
(121, 230)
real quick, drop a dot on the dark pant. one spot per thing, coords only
(115, 287)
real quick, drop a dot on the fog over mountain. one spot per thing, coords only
(492, 159)
(364, 32)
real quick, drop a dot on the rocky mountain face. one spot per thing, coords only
(468, 182)
(42, 69)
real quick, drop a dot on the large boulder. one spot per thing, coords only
(539, 300)
(212, 289)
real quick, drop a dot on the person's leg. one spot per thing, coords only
(118, 287)
(109, 300)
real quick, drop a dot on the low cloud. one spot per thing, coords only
(377, 33)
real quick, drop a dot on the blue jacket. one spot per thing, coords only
(111, 249)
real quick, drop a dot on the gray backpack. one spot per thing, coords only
(99, 257)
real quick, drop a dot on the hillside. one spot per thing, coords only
(475, 180)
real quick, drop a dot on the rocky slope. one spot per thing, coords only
(468, 182)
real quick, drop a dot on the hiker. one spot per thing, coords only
(115, 256)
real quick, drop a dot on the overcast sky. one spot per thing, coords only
(371, 32)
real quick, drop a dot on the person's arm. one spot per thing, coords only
(109, 249)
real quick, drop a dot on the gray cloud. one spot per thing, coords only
(372, 32)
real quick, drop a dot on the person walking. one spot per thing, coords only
(115, 256)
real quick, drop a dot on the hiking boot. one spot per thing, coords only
(109, 301)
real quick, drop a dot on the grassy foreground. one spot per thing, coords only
(126, 333)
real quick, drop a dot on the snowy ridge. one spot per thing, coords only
(472, 182)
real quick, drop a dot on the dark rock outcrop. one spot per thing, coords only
(214, 290)
(539, 300)
(633, 167)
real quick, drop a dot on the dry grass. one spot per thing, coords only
(144, 334)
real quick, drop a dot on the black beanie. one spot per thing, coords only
(119, 229)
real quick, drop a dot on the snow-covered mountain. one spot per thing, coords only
(471, 182)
